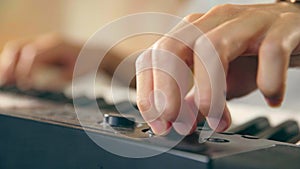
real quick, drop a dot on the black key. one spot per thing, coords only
(287, 131)
(253, 127)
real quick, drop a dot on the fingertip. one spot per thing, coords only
(186, 122)
(160, 127)
(274, 101)
(217, 125)
(272, 92)
(220, 124)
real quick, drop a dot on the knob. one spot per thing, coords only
(119, 121)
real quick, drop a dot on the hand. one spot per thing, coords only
(45, 62)
(254, 43)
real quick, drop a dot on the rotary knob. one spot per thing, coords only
(119, 121)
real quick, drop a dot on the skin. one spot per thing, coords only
(37, 62)
(256, 44)
(21, 60)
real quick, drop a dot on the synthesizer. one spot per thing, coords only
(40, 130)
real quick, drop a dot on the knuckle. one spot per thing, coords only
(192, 17)
(201, 41)
(174, 46)
(225, 9)
(260, 12)
(219, 43)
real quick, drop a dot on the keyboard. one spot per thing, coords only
(41, 130)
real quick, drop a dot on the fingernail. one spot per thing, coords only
(218, 125)
(159, 127)
(274, 101)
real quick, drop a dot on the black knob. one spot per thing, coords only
(119, 121)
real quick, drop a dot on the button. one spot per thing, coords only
(217, 140)
(249, 137)
(227, 133)
(119, 121)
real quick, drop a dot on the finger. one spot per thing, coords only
(195, 25)
(274, 55)
(169, 103)
(145, 95)
(228, 43)
(8, 60)
(210, 89)
(186, 21)
(144, 85)
(186, 122)
(190, 100)
(46, 51)
(23, 67)
(31, 58)
(146, 91)
(173, 80)
(12, 52)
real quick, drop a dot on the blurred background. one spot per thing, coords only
(75, 19)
